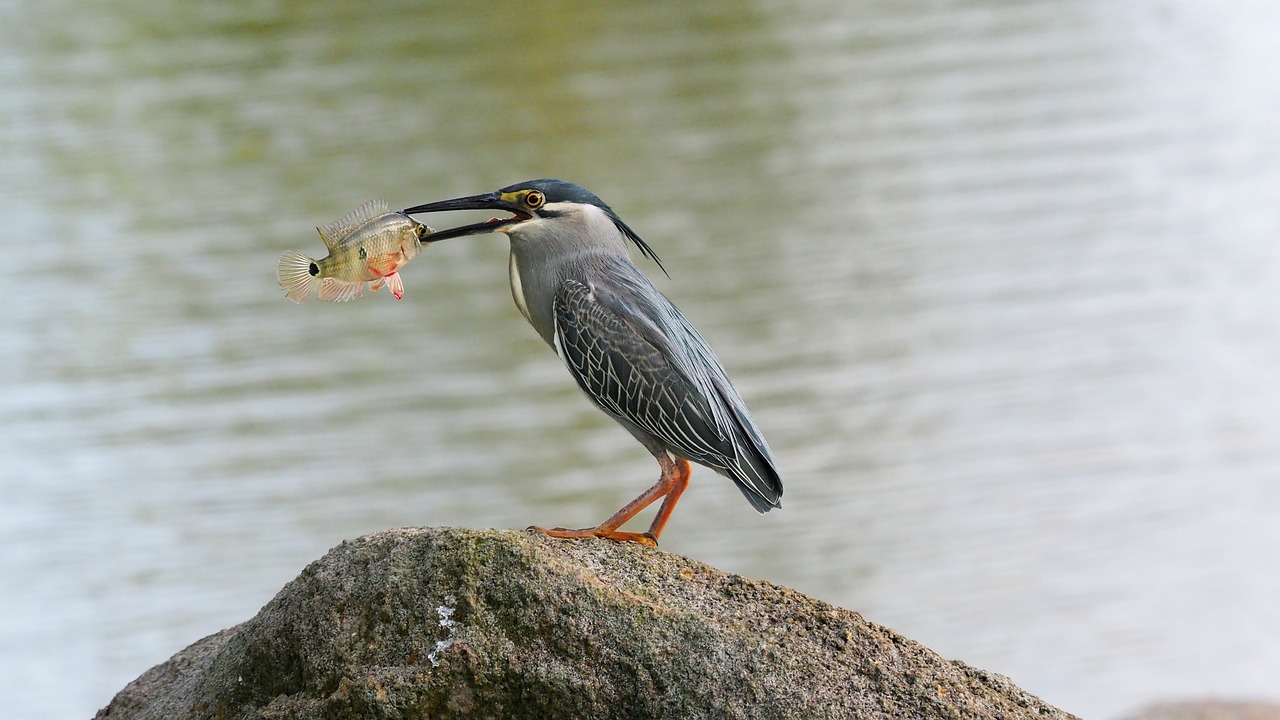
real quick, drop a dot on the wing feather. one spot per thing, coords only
(638, 359)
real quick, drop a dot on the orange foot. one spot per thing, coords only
(600, 532)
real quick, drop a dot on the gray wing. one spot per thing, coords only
(640, 360)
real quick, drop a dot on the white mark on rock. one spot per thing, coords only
(448, 623)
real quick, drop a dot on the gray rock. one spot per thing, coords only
(450, 623)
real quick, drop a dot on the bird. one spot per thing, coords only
(629, 348)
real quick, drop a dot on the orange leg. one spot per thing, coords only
(679, 483)
(674, 480)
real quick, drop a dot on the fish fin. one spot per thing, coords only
(392, 282)
(298, 274)
(338, 230)
(335, 290)
(395, 285)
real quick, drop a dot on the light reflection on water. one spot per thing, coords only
(998, 283)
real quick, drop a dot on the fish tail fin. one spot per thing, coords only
(298, 274)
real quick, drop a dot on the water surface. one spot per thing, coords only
(999, 283)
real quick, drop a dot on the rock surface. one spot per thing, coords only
(450, 623)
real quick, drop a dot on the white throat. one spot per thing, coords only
(517, 288)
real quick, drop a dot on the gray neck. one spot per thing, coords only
(547, 251)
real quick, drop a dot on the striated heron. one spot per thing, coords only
(628, 347)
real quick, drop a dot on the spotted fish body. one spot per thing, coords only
(368, 246)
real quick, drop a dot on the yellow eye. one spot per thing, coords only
(534, 199)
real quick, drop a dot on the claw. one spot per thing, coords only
(674, 480)
(644, 538)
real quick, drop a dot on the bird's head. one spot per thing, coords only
(546, 200)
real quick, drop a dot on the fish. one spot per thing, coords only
(367, 246)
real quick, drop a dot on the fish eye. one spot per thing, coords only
(534, 199)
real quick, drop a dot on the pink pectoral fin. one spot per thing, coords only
(395, 285)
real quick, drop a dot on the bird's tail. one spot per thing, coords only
(758, 479)
(751, 463)
(298, 274)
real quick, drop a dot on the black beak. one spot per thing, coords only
(487, 201)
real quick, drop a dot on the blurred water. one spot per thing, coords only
(998, 281)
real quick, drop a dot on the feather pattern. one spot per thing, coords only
(640, 360)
